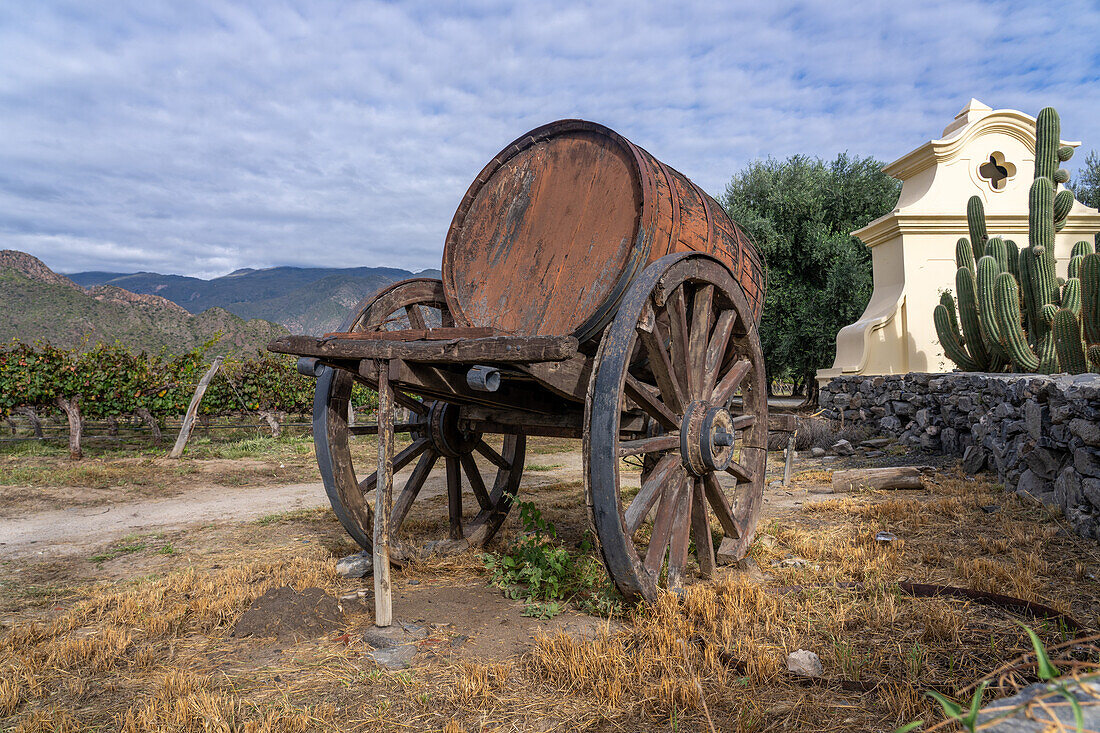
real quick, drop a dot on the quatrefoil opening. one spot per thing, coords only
(997, 172)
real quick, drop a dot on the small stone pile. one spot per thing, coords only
(1041, 434)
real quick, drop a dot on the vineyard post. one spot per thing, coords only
(193, 410)
(383, 500)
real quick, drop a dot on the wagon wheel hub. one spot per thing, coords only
(447, 438)
(706, 438)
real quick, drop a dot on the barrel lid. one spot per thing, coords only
(550, 233)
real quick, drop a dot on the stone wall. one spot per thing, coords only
(1040, 434)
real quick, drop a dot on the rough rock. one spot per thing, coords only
(973, 459)
(359, 565)
(843, 448)
(394, 647)
(804, 663)
(817, 452)
(1042, 707)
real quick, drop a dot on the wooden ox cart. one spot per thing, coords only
(589, 291)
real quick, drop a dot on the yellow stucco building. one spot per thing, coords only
(986, 152)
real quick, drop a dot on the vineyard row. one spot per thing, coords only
(110, 381)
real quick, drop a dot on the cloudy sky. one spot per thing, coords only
(198, 137)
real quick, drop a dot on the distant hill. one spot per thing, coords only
(38, 303)
(304, 299)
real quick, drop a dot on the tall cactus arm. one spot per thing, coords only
(1040, 229)
(967, 294)
(1082, 248)
(998, 250)
(988, 270)
(1063, 202)
(1090, 297)
(1092, 353)
(964, 254)
(1067, 342)
(948, 302)
(1074, 267)
(1071, 296)
(1013, 258)
(951, 340)
(1006, 301)
(1048, 133)
(975, 222)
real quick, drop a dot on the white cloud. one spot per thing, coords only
(207, 136)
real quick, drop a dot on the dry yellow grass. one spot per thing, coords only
(155, 654)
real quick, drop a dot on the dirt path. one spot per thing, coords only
(67, 531)
(81, 527)
(78, 528)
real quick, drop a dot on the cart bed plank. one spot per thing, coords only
(504, 349)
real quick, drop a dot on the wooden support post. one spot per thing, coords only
(193, 410)
(789, 459)
(383, 500)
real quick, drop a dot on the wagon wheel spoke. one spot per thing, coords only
(676, 309)
(487, 450)
(660, 362)
(416, 316)
(412, 488)
(716, 497)
(454, 498)
(473, 474)
(655, 444)
(698, 339)
(716, 349)
(652, 490)
(741, 472)
(663, 524)
(681, 534)
(651, 404)
(700, 530)
(401, 460)
(730, 382)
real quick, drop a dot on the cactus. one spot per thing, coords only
(964, 254)
(1013, 258)
(1090, 306)
(1067, 339)
(1071, 296)
(1058, 325)
(1063, 202)
(947, 328)
(988, 270)
(975, 222)
(998, 250)
(1006, 304)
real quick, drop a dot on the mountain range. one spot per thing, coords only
(309, 300)
(38, 303)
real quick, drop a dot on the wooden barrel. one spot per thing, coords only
(557, 225)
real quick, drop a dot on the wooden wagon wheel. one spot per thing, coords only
(414, 303)
(682, 347)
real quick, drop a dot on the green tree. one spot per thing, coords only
(1086, 183)
(800, 212)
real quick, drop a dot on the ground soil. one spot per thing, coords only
(61, 543)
